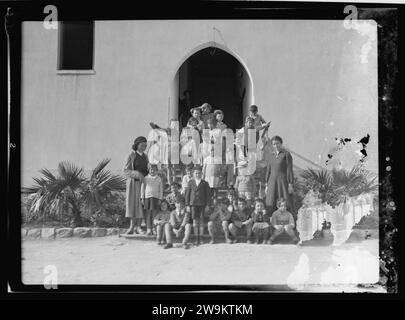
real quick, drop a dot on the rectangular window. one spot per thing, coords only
(76, 40)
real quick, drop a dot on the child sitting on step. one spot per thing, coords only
(219, 220)
(241, 221)
(261, 222)
(283, 222)
(180, 224)
(160, 220)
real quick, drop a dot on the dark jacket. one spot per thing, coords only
(198, 195)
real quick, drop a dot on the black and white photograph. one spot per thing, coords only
(240, 152)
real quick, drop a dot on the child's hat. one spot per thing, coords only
(197, 167)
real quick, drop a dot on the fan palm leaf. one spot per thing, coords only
(100, 183)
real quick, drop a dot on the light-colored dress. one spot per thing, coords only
(212, 171)
(184, 183)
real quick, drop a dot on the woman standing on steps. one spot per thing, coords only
(135, 169)
(279, 175)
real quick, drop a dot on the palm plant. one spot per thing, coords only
(71, 190)
(320, 181)
(350, 184)
(338, 186)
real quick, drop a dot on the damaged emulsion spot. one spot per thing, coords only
(341, 143)
(364, 141)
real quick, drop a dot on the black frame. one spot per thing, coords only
(388, 88)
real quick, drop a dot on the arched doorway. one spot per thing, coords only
(211, 73)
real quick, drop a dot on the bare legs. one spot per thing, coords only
(212, 230)
(169, 230)
(287, 229)
(233, 229)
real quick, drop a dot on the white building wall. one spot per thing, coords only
(310, 79)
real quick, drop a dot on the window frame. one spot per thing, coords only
(62, 71)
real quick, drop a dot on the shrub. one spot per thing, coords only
(71, 193)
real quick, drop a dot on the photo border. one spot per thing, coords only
(387, 18)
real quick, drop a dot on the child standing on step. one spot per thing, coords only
(197, 198)
(212, 171)
(151, 195)
(196, 114)
(245, 184)
(160, 220)
(219, 117)
(206, 113)
(186, 178)
(259, 122)
(232, 198)
(174, 193)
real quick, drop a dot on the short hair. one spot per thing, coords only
(280, 201)
(195, 109)
(249, 119)
(191, 120)
(206, 105)
(223, 201)
(153, 165)
(137, 142)
(179, 199)
(218, 112)
(212, 120)
(259, 200)
(253, 108)
(174, 184)
(276, 138)
(242, 200)
(230, 192)
(165, 201)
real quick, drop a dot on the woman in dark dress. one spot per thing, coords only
(279, 175)
(135, 169)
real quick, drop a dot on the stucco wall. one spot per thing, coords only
(315, 80)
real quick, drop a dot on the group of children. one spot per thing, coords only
(191, 209)
(232, 157)
(194, 205)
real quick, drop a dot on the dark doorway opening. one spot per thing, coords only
(213, 75)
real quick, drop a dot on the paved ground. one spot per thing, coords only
(113, 260)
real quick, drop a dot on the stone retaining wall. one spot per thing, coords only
(58, 233)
